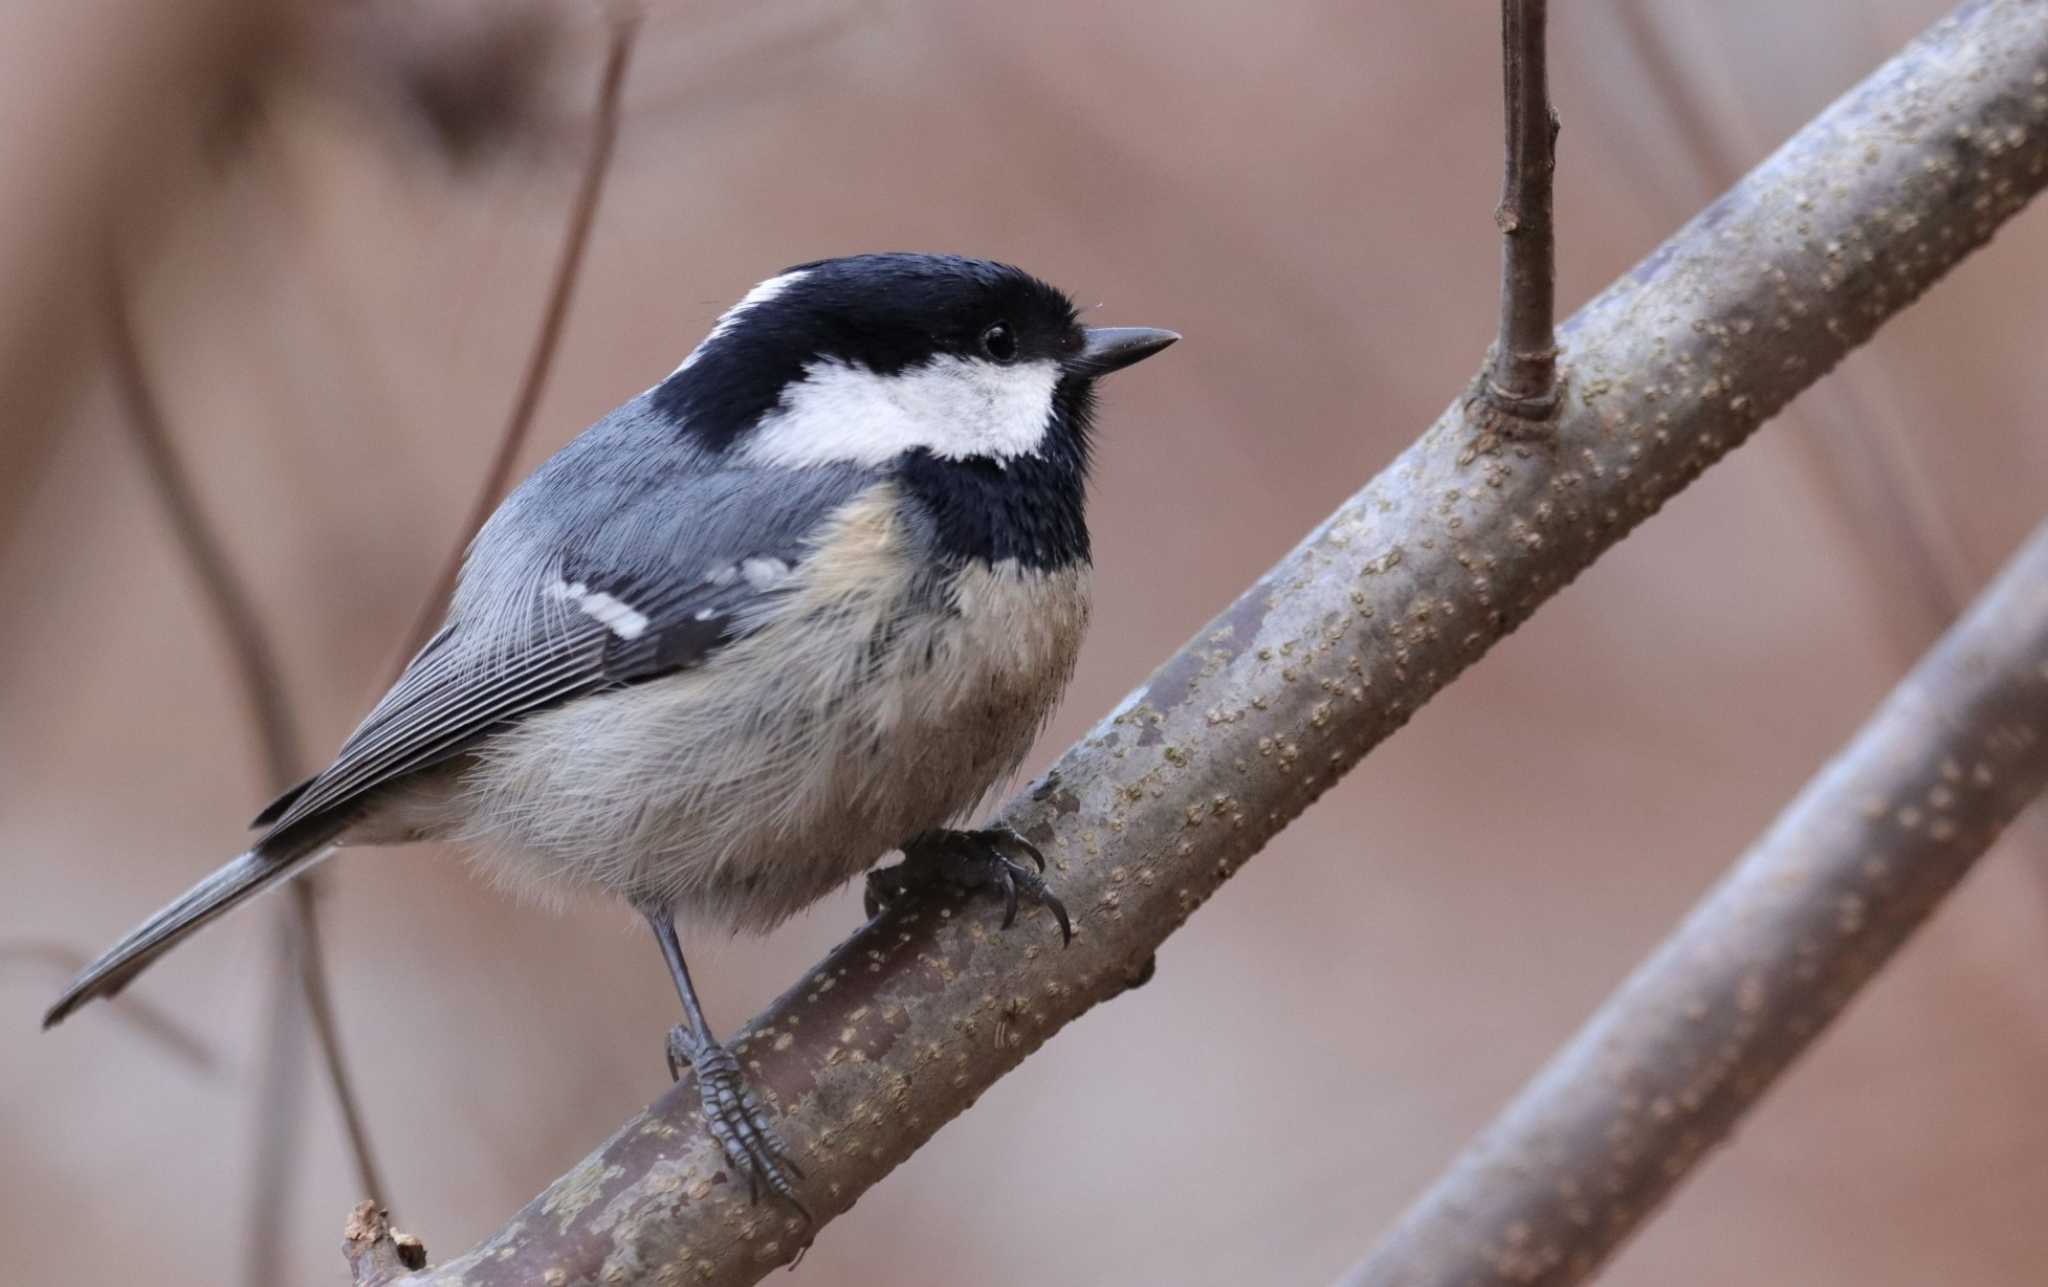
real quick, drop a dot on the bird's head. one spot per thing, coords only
(885, 358)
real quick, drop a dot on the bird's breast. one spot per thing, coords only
(996, 644)
(883, 695)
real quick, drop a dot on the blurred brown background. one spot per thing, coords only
(336, 224)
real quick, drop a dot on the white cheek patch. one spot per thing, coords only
(954, 407)
(761, 294)
(614, 614)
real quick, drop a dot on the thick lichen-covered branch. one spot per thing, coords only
(1456, 542)
(1663, 1071)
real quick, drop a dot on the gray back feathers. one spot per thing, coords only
(630, 553)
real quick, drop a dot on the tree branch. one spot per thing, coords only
(1665, 1069)
(604, 137)
(1521, 377)
(1862, 456)
(1455, 543)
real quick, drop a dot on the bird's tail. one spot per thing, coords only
(266, 865)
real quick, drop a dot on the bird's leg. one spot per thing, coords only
(731, 1112)
(997, 858)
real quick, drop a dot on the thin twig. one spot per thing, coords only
(279, 1110)
(64, 962)
(320, 1007)
(256, 667)
(255, 661)
(604, 134)
(1521, 378)
(1455, 543)
(1689, 1044)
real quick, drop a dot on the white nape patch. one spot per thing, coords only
(761, 294)
(612, 613)
(954, 407)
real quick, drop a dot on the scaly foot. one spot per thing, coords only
(970, 860)
(735, 1119)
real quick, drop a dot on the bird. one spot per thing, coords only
(802, 604)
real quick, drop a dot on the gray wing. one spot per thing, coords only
(565, 595)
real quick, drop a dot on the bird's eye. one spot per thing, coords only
(1000, 342)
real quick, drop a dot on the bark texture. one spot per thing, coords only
(1456, 542)
(1669, 1064)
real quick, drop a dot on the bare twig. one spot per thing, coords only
(604, 135)
(1665, 1069)
(262, 683)
(312, 977)
(279, 1110)
(1521, 377)
(1455, 543)
(63, 962)
(255, 661)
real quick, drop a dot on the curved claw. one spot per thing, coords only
(1059, 913)
(970, 860)
(1009, 844)
(1008, 880)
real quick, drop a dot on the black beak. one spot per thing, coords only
(1112, 348)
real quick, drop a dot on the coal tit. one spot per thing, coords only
(800, 604)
